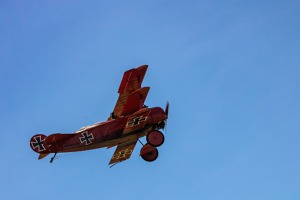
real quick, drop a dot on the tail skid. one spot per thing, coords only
(51, 160)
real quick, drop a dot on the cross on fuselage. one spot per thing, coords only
(136, 121)
(38, 143)
(86, 138)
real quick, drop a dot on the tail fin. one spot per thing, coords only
(43, 145)
(37, 143)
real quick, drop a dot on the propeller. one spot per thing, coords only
(167, 109)
(167, 113)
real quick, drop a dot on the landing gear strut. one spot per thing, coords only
(51, 160)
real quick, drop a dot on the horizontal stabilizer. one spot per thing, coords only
(41, 156)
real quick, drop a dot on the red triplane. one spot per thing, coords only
(129, 121)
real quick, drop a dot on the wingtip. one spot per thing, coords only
(142, 67)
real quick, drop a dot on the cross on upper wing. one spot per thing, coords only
(131, 95)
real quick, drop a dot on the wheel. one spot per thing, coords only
(155, 138)
(149, 153)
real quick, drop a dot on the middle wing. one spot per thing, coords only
(135, 101)
(131, 95)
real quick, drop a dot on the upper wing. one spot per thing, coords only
(135, 101)
(123, 152)
(132, 79)
(130, 84)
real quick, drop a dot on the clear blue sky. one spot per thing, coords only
(230, 70)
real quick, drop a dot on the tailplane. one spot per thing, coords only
(42, 155)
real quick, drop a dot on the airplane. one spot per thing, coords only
(130, 120)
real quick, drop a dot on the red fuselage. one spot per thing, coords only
(104, 134)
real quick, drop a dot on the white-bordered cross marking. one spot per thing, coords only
(86, 137)
(136, 121)
(122, 154)
(39, 143)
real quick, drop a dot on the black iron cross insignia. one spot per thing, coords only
(122, 154)
(136, 121)
(39, 143)
(86, 137)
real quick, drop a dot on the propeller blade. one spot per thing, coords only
(167, 113)
(167, 109)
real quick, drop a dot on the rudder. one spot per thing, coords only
(37, 143)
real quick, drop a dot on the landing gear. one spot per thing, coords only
(155, 138)
(51, 160)
(149, 153)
